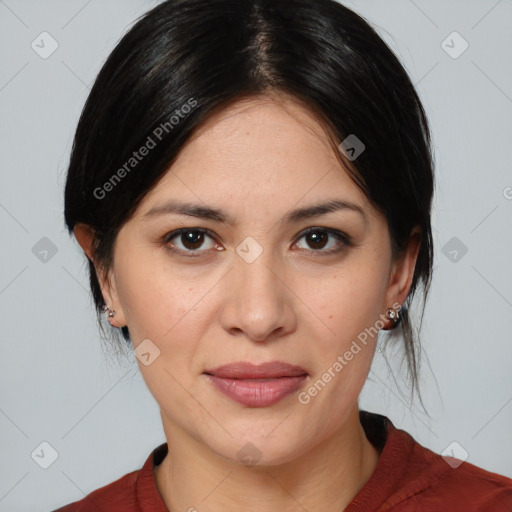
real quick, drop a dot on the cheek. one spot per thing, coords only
(345, 343)
(349, 301)
(153, 300)
(160, 308)
(348, 305)
(165, 306)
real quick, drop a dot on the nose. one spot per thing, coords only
(259, 302)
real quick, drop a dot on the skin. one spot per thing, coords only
(257, 160)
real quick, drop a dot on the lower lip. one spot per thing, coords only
(257, 393)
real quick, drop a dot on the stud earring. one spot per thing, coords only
(394, 315)
(111, 314)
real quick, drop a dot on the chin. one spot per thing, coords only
(259, 450)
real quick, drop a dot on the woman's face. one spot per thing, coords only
(255, 287)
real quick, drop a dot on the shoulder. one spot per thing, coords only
(466, 486)
(118, 495)
(126, 493)
(410, 477)
(447, 482)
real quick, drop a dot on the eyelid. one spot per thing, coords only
(341, 236)
(334, 232)
(173, 234)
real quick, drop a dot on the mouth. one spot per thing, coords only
(257, 386)
(245, 370)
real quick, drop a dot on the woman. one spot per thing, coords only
(251, 182)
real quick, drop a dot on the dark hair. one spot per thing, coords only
(185, 60)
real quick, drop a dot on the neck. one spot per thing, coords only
(327, 477)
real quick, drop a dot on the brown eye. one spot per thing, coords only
(189, 240)
(192, 239)
(317, 239)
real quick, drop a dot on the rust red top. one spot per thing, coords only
(408, 477)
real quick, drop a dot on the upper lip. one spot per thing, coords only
(246, 370)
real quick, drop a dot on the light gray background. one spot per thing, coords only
(58, 385)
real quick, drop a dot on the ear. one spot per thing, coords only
(402, 271)
(84, 235)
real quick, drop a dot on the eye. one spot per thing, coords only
(191, 241)
(318, 239)
(188, 240)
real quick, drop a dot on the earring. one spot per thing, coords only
(394, 316)
(111, 313)
(105, 308)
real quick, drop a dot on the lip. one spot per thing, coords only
(257, 385)
(246, 370)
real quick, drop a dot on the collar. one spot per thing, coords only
(390, 483)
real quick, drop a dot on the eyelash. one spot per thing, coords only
(342, 237)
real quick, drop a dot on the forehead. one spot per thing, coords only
(282, 112)
(258, 153)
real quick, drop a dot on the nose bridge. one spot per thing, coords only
(254, 268)
(257, 302)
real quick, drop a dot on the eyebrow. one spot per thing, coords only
(218, 215)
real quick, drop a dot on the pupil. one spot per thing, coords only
(194, 238)
(317, 239)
